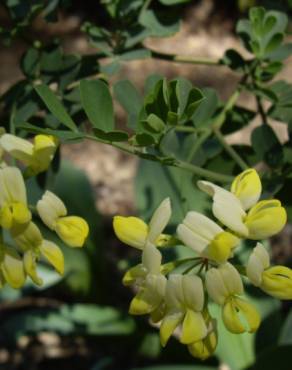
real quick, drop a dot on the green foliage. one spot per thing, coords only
(176, 129)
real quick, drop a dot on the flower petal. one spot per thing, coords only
(17, 147)
(277, 281)
(131, 230)
(151, 259)
(73, 230)
(193, 327)
(159, 220)
(30, 266)
(12, 269)
(247, 188)
(12, 187)
(53, 254)
(265, 219)
(221, 247)
(215, 286)
(168, 325)
(258, 261)
(204, 348)
(50, 208)
(226, 207)
(193, 292)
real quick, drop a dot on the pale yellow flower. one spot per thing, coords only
(36, 155)
(33, 246)
(207, 238)
(274, 280)
(73, 230)
(14, 212)
(240, 210)
(136, 233)
(11, 268)
(224, 286)
(184, 298)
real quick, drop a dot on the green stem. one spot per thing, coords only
(196, 170)
(228, 106)
(183, 58)
(230, 150)
(261, 110)
(145, 6)
(168, 267)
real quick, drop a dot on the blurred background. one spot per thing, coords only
(81, 322)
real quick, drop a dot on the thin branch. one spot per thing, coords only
(183, 58)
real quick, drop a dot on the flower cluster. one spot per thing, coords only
(179, 302)
(22, 244)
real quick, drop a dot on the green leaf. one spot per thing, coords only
(160, 24)
(135, 55)
(97, 103)
(206, 109)
(233, 60)
(154, 124)
(286, 332)
(55, 106)
(267, 145)
(274, 43)
(130, 99)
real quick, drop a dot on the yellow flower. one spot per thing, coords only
(11, 267)
(224, 285)
(275, 280)
(240, 210)
(73, 230)
(206, 237)
(37, 156)
(205, 347)
(14, 213)
(136, 233)
(184, 298)
(150, 283)
(33, 246)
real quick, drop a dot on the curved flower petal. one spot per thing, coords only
(134, 274)
(265, 219)
(247, 188)
(215, 286)
(204, 348)
(168, 325)
(190, 239)
(240, 316)
(231, 278)
(151, 259)
(12, 187)
(221, 247)
(277, 281)
(226, 207)
(193, 327)
(193, 292)
(53, 254)
(30, 266)
(17, 147)
(12, 269)
(131, 230)
(174, 291)
(258, 261)
(159, 220)
(50, 208)
(31, 237)
(73, 230)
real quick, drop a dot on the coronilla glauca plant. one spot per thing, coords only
(179, 302)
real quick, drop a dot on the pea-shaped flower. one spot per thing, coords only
(14, 212)
(184, 298)
(205, 347)
(73, 230)
(240, 210)
(150, 282)
(36, 155)
(224, 286)
(207, 238)
(11, 267)
(136, 233)
(33, 246)
(274, 280)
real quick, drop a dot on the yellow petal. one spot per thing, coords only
(53, 254)
(12, 269)
(158, 314)
(168, 325)
(221, 247)
(12, 186)
(240, 316)
(265, 219)
(131, 230)
(72, 230)
(30, 266)
(277, 281)
(258, 261)
(30, 238)
(151, 259)
(193, 327)
(247, 188)
(43, 152)
(204, 348)
(14, 214)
